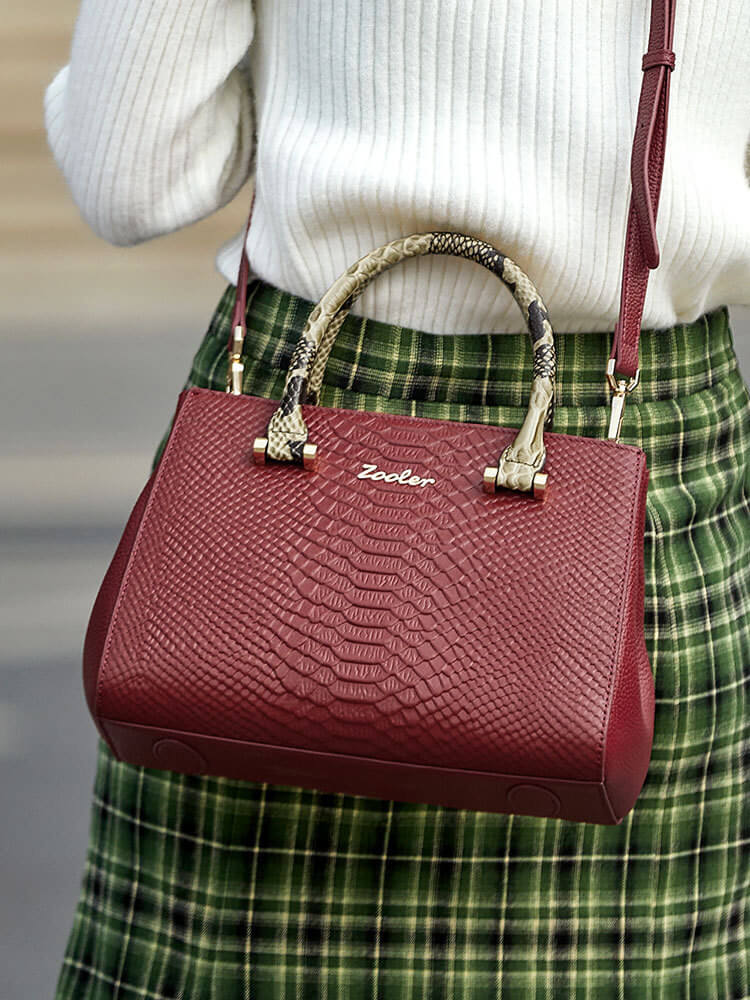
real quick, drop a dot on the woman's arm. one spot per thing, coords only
(152, 122)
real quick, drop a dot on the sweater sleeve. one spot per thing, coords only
(152, 121)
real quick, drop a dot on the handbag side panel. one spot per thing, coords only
(630, 726)
(100, 619)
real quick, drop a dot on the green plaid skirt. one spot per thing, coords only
(209, 889)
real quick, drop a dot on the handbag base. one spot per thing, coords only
(484, 791)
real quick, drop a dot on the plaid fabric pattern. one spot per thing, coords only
(211, 889)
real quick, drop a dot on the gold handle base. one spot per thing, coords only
(260, 453)
(539, 483)
(489, 479)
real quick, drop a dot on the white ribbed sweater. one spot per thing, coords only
(364, 121)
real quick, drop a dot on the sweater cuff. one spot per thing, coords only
(54, 116)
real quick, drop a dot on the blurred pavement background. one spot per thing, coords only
(80, 416)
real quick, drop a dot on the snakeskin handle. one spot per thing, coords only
(286, 435)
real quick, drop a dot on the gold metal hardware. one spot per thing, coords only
(260, 453)
(235, 367)
(617, 411)
(620, 387)
(489, 479)
(540, 484)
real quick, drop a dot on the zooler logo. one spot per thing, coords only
(405, 478)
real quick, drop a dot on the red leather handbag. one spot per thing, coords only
(413, 609)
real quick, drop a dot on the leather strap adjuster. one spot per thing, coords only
(659, 57)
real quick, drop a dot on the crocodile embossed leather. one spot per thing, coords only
(436, 644)
(358, 602)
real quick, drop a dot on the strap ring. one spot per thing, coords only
(658, 57)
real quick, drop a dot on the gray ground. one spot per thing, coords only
(71, 468)
(79, 419)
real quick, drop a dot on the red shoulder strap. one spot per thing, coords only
(240, 295)
(646, 169)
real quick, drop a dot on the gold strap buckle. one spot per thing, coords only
(235, 367)
(620, 387)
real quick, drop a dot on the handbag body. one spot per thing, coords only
(408, 608)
